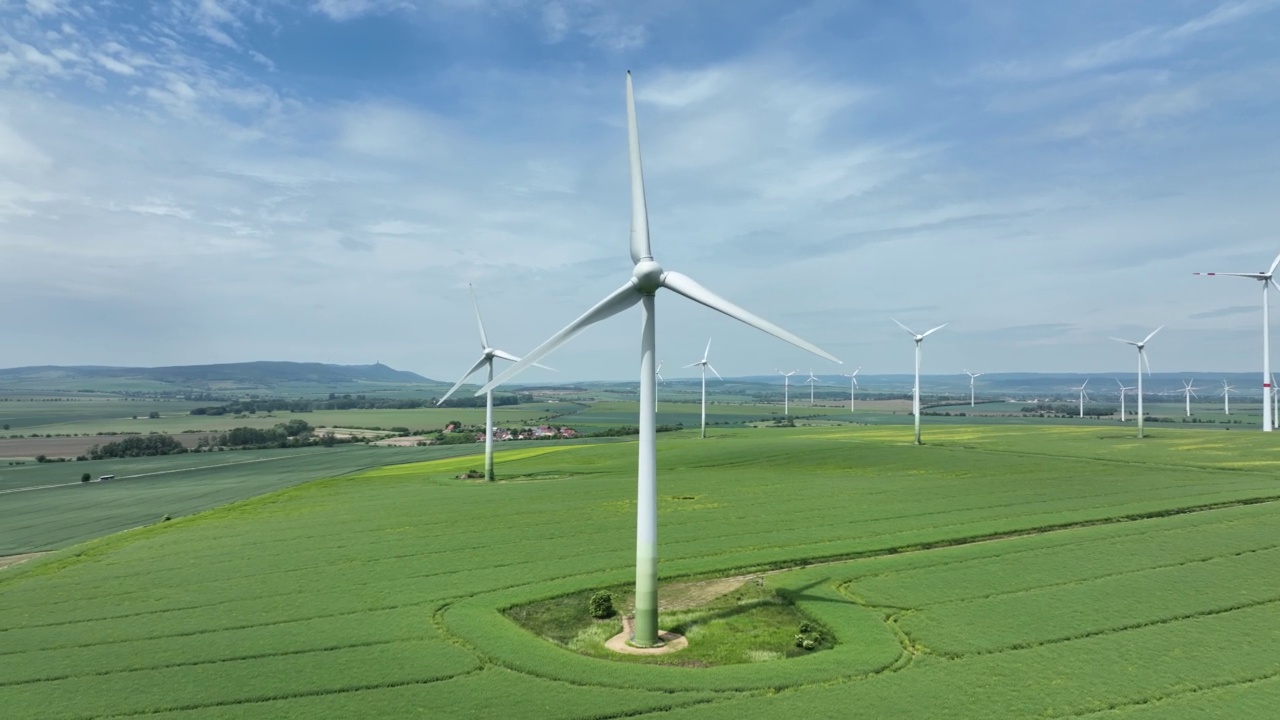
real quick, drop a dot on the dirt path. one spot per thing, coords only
(7, 560)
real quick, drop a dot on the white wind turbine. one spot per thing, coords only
(705, 365)
(786, 391)
(972, 377)
(1083, 395)
(1188, 391)
(1123, 390)
(647, 277)
(915, 395)
(853, 386)
(487, 356)
(1268, 383)
(1142, 360)
(811, 382)
(1226, 397)
(658, 372)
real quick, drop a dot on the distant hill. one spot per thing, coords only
(251, 374)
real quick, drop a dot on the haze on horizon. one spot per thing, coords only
(219, 180)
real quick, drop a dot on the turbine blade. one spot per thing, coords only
(1153, 334)
(707, 352)
(934, 330)
(855, 372)
(1274, 264)
(1273, 284)
(1255, 276)
(686, 367)
(479, 364)
(1126, 342)
(639, 212)
(505, 355)
(714, 371)
(688, 287)
(904, 327)
(617, 301)
(484, 339)
(1146, 362)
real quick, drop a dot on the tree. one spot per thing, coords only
(85, 477)
(154, 414)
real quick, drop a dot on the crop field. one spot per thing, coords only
(1001, 571)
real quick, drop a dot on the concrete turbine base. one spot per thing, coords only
(620, 643)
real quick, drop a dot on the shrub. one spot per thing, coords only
(42, 458)
(85, 477)
(601, 604)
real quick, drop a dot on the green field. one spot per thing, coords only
(1000, 571)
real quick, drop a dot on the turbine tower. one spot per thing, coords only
(786, 391)
(853, 385)
(1267, 381)
(647, 277)
(486, 360)
(1123, 390)
(915, 395)
(811, 382)
(704, 365)
(1083, 395)
(1142, 360)
(972, 377)
(1226, 397)
(1188, 391)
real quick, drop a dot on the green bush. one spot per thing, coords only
(601, 604)
(85, 477)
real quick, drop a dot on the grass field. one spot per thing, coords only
(1000, 571)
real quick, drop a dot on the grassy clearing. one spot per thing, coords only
(380, 593)
(751, 623)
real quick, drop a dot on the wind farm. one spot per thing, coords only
(252, 464)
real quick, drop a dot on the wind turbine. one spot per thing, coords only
(811, 382)
(1267, 381)
(1226, 397)
(1142, 359)
(786, 391)
(658, 372)
(704, 365)
(1188, 391)
(972, 377)
(915, 395)
(487, 356)
(853, 386)
(647, 277)
(1123, 390)
(1083, 395)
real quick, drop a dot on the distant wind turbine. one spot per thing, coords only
(786, 391)
(1123, 390)
(853, 386)
(811, 382)
(1083, 395)
(705, 366)
(1268, 383)
(486, 360)
(915, 396)
(972, 377)
(1142, 360)
(658, 372)
(1226, 397)
(647, 277)
(1188, 391)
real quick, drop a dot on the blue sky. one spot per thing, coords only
(217, 181)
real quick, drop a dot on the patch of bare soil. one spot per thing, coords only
(7, 560)
(70, 447)
(689, 595)
(411, 441)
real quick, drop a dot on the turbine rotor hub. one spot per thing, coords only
(647, 276)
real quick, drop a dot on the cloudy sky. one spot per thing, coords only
(226, 180)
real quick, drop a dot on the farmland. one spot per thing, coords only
(1000, 571)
